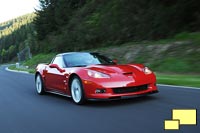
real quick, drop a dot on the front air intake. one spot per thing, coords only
(130, 89)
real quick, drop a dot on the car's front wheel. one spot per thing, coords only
(39, 85)
(77, 91)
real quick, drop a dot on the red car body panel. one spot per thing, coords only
(124, 76)
(129, 76)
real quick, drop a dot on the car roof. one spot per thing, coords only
(62, 54)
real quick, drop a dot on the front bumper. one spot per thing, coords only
(123, 97)
(126, 90)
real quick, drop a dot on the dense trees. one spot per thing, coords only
(77, 24)
(71, 25)
(15, 35)
(53, 14)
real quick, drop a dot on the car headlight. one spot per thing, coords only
(147, 70)
(96, 74)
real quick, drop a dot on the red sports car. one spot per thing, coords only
(84, 75)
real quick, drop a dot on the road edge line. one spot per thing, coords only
(177, 86)
(7, 69)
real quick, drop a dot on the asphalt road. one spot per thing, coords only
(23, 111)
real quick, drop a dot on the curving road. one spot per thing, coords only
(23, 111)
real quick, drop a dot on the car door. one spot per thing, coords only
(56, 79)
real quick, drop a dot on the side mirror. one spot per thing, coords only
(57, 67)
(114, 61)
(53, 66)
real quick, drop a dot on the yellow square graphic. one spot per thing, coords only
(186, 116)
(171, 125)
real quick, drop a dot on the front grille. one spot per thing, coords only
(130, 89)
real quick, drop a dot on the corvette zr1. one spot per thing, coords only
(84, 75)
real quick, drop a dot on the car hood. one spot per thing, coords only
(118, 69)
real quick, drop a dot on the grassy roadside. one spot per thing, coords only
(172, 58)
(32, 63)
(178, 79)
(30, 70)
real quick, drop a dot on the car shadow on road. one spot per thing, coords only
(106, 103)
(121, 102)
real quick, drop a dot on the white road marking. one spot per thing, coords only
(7, 69)
(179, 86)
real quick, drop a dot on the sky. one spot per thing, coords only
(10, 9)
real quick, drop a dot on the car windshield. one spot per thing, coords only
(85, 59)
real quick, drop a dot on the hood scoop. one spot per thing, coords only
(128, 73)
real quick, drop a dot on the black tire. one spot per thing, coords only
(39, 84)
(77, 91)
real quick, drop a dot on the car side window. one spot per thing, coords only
(59, 61)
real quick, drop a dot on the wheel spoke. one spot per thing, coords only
(76, 90)
(38, 84)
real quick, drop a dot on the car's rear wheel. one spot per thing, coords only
(39, 85)
(77, 91)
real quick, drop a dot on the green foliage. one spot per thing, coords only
(174, 79)
(30, 70)
(194, 37)
(181, 57)
(40, 58)
(75, 25)
(15, 35)
(173, 65)
(53, 15)
(72, 25)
